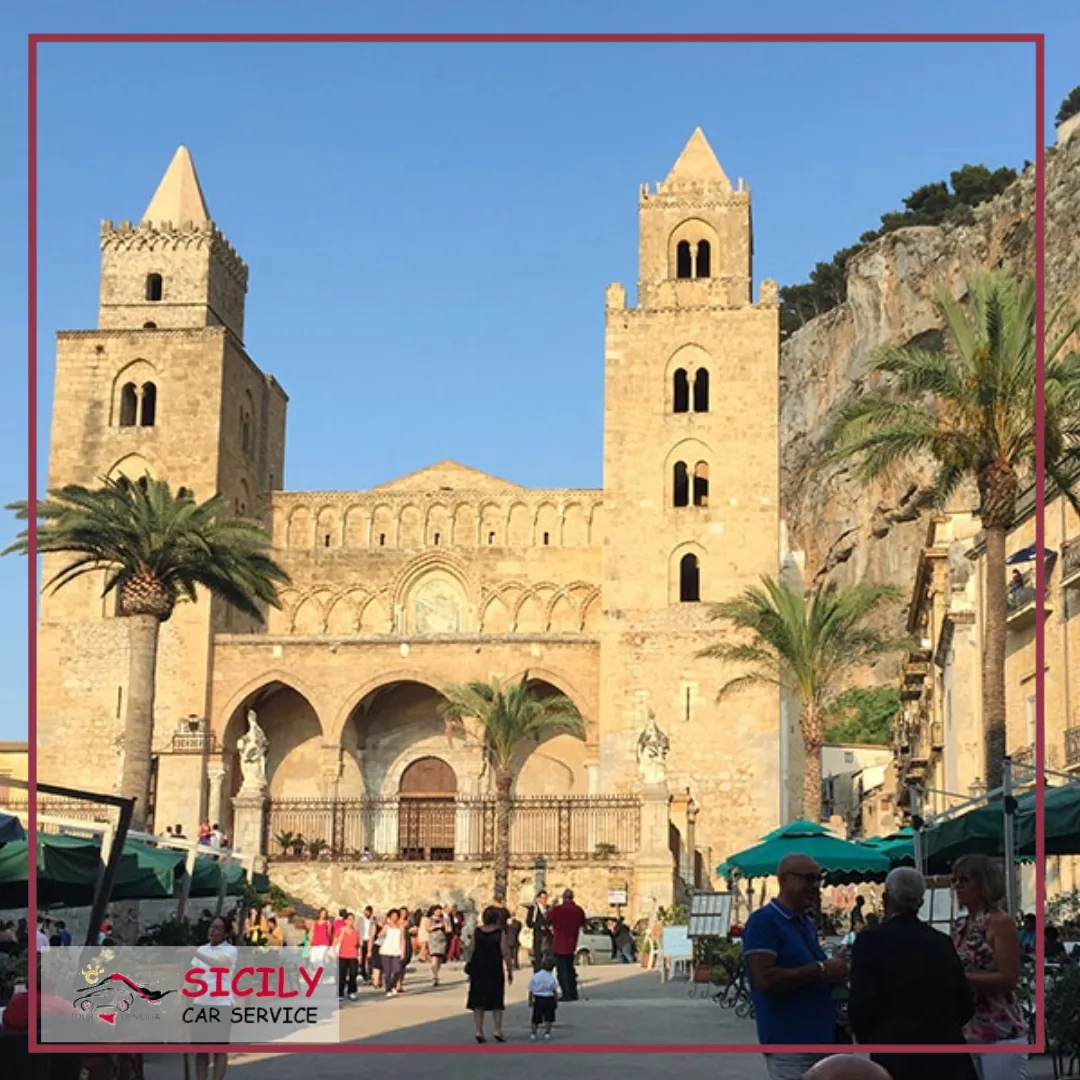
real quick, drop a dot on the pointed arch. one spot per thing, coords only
(127, 393)
(685, 573)
(687, 258)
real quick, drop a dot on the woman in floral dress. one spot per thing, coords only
(989, 946)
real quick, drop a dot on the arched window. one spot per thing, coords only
(701, 390)
(242, 502)
(681, 392)
(547, 539)
(153, 287)
(689, 580)
(129, 405)
(382, 539)
(681, 485)
(245, 431)
(491, 539)
(703, 260)
(149, 325)
(436, 538)
(149, 405)
(684, 266)
(701, 484)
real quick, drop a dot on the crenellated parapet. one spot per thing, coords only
(126, 236)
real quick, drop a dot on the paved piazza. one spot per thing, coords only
(621, 1004)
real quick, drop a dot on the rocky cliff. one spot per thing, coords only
(875, 533)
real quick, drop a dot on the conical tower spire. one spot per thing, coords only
(179, 198)
(697, 165)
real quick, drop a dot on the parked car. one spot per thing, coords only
(594, 941)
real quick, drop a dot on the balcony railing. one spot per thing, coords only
(451, 829)
(1072, 747)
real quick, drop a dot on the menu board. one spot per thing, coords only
(710, 915)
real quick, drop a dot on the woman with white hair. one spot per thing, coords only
(988, 943)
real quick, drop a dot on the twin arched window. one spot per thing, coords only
(138, 405)
(693, 260)
(687, 486)
(684, 392)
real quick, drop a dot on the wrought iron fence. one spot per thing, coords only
(437, 830)
(72, 809)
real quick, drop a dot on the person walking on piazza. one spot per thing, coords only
(536, 921)
(908, 987)
(566, 922)
(791, 978)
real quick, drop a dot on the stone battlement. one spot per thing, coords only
(166, 236)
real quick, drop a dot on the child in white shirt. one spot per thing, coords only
(543, 989)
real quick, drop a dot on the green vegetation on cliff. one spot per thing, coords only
(863, 716)
(932, 204)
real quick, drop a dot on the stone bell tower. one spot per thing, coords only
(162, 386)
(691, 489)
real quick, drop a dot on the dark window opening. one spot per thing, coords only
(683, 261)
(153, 287)
(701, 484)
(704, 259)
(129, 405)
(242, 509)
(681, 493)
(701, 390)
(143, 482)
(681, 392)
(689, 580)
(149, 405)
(149, 325)
(245, 432)
(491, 539)
(547, 539)
(326, 540)
(382, 539)
(436, 539)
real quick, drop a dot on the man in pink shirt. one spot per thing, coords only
(566, 922)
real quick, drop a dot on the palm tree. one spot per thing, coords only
(970, 410)
(155, 548)
(806, 643)
(510, 718)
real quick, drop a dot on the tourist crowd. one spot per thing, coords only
(906, 983)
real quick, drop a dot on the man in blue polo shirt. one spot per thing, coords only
(790, 978)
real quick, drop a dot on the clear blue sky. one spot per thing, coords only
(430, 228)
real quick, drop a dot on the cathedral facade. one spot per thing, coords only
(444, 575)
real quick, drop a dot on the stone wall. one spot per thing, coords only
(469, 885)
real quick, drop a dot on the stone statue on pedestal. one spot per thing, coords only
(252, 746)
(652, 751)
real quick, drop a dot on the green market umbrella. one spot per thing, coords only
(206, 877)
(898, 846)
(156, 872)
(981, 831)
(11, 829)
(68, 868)
(840, 860)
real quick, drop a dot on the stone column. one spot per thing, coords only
(215, 775)
(654, 867)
